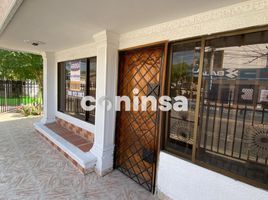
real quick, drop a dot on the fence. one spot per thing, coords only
(17, 93)
(232, 131)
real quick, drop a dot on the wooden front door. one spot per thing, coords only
(137, 131)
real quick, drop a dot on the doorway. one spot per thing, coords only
(137, 131)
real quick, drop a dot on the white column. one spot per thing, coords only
(107, 65)
(49, 87)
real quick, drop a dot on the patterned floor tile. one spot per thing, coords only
(31, 169)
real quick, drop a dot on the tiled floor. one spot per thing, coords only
(76, 140)
(31, 169)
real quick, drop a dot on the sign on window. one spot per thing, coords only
(75, 83)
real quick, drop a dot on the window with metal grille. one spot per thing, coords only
(228, 132)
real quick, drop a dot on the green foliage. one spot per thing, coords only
(13, 101)
(27, 110)
(21, 66)
(179, 72)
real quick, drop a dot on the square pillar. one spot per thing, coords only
(49, 87)
(107, 69)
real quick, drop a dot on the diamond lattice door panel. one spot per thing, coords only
(136, 131)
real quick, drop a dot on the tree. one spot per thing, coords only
(21, 66)
(179, 74)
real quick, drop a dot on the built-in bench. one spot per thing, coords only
(74, 146)
(77, 140)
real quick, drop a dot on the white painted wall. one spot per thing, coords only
(182, 180)
(83, 51)
(237, 16)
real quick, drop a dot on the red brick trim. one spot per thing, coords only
(75, 129)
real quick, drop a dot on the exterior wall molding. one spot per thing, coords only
(7, 11)
(242, 15)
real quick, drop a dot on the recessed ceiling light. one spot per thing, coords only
(34, 42)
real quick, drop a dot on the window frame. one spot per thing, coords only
(61, 87)
(167, 92)
(164, 134)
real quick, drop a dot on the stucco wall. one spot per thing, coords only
(83, 51)
(237, 16)
(179, 179)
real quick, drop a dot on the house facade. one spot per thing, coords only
(215, 54)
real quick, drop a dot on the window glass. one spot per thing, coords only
(233, 132)
(183, 81)
(77, 79)
(92, 86)
(75, 85)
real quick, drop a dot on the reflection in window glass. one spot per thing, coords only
(75, 83)
(92, 87)
(234, 106)
(183, 81)
(76, 79)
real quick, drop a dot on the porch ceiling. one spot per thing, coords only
(63, 24)
(4, 5)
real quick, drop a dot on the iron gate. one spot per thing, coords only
(17, 93)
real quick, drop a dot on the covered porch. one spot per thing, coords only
(105, 39)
